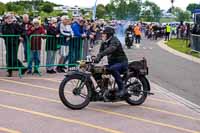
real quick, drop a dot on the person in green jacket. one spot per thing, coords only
(167, 32)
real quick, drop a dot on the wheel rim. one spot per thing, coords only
(75, 92)
(135, 89)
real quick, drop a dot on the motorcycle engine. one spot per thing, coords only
(108, 82)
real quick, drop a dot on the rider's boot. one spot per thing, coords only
(121, 93)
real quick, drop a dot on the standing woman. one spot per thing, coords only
(12, 44)
(65, 30)
(51, 45)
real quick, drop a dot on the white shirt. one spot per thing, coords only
(66, 30)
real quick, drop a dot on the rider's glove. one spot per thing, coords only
(98, 58)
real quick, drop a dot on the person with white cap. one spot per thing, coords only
(26, 24)
(36, 43)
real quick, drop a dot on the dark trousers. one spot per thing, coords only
(25, 45)
(35, 57)
(167, 36)
(116, 70)
(137, 38)
(75, 50)
(11, 57)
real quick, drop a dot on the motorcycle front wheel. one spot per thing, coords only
(75, 92)
(137, 89)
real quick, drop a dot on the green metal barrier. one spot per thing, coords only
(195, 42)
(10, 57)
(42, 50)
(54, 51)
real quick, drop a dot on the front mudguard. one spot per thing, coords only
(86, 75)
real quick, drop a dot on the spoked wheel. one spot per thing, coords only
(137, 89)
(75, 92)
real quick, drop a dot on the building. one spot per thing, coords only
(76, 11)
(166, 14)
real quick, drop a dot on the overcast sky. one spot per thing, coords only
(164, 4)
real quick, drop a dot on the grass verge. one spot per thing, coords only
(182, 46)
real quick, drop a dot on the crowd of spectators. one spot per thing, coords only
(59, 33)
(179, 31)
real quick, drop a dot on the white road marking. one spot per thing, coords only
(179, 99)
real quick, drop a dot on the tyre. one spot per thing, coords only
(75, 92)
(128, 45)
(137, 89)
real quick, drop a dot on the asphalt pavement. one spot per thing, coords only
(32, 104)
(172, 72)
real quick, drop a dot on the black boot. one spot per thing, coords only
(9, 74)
(60, 69)
(121, 93)
(24, 71)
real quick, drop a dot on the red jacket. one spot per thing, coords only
(36, 41)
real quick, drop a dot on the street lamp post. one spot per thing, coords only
(94, 10)
(172, 1)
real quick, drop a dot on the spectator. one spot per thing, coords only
(138, 33)
(26, 25)
(93, 30)
(195, 29)
(51, 45)
(40, 21)
(188, 31)
(36, 41)
(64, 28)
(12, 44)
(79, 34)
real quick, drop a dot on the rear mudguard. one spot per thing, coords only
(148, 83)
(143, 76)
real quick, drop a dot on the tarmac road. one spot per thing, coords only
(172, 72)
(32, 105)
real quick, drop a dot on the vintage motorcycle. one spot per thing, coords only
(129, 39)
(91, 83)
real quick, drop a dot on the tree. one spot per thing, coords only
(3, 8)
(124, 9)
(47, 7)
(181, 15)
(150, 12)
(83, 12)
(11, 6)
(134, 9)
(121, 9)
(110, 9)
(191, 7)
(101, 11)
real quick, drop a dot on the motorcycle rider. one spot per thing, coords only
(117, 59)
(129, 31)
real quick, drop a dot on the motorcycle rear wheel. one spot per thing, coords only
(142, 92)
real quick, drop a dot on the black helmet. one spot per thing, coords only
(109, 30)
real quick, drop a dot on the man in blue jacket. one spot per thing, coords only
(76, 27)
(79, 33)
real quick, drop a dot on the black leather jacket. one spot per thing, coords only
(113, 50)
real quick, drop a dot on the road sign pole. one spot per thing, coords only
(94, 10)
